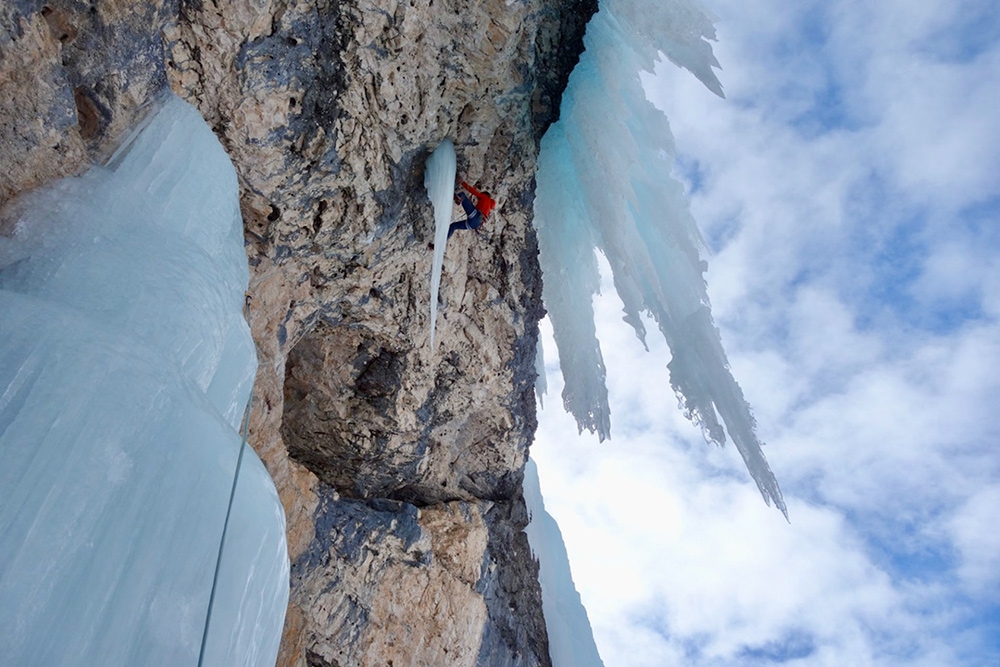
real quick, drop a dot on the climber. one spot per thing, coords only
(475, 213)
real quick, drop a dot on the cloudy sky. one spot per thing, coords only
(849, 191)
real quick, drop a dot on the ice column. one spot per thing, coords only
(125, 368)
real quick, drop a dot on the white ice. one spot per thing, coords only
(125, 368)
(439, 179)
(571, 639)
(605, 183)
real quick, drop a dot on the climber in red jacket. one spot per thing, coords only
(474, 213)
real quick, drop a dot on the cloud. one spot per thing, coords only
(979, 568)
(847, 189)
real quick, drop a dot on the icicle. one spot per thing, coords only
(605, 182)
(439, 179)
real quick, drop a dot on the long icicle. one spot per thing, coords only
(439, 179)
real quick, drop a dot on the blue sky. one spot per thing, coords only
(849, 191)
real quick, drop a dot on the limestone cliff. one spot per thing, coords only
(399, 466)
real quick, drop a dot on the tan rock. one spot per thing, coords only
(39, 129)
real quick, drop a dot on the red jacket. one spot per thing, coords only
(484, 202)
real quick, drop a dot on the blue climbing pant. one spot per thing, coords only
(473, 217)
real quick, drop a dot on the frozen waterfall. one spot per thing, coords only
(125, 368)
(604, 182)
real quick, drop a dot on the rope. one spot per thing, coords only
(225, 526)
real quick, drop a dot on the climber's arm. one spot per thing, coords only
(471, 189)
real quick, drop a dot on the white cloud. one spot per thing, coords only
(858, 299)
(974, 533)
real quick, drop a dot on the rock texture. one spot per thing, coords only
(399, 466)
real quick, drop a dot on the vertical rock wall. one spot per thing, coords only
(399, 466)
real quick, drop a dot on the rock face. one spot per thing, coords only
(399, 466)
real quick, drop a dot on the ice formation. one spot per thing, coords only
(604, 181)
(439, 179)
(125, 369)
(571, 639)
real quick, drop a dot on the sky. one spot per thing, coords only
(848, 189)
